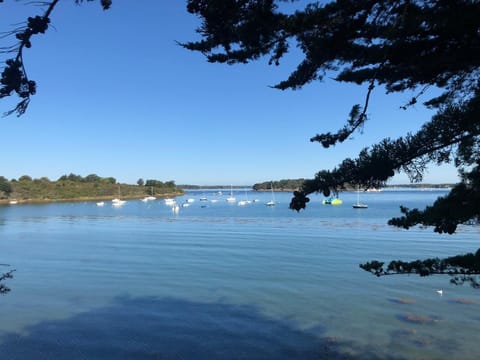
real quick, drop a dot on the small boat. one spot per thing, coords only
(150, 197)
(272, 201)
(13, 202)
(100, 203)
(358, 205)
(246, 201)
(331, 201)
(169, 201)
(118, 202)
(231, 198)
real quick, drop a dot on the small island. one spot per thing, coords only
(77, 188)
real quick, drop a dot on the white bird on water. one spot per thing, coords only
(440, 292)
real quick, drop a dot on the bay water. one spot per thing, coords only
(217, 280)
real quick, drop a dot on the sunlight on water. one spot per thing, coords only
(224, 281)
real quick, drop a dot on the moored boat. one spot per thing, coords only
(331, 201)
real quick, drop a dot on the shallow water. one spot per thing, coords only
(222, 281)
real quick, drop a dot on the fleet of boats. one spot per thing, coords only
(118, 202)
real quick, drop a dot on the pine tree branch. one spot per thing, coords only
(14, 78)
(3, 288)
(462, 268)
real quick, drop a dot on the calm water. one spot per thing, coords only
(229, 282)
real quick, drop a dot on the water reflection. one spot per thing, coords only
(152, 328)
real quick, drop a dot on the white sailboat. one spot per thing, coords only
(359, 205)
(231, 198)
(117, 202)
(272, 201)
(246, 201)
(169, 201)
(150, 197)
(175, 208)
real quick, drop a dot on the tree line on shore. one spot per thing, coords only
(296, 184)
(279, 185)
(73, 186)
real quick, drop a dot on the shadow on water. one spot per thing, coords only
(151, 328)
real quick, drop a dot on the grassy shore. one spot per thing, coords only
(86, 198)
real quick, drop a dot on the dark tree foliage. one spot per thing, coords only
(279, 185)
(4, 288)
(5, 186)
(14, 78)
(160, 184)
(91, 178)
(401, 45)
(462, 268)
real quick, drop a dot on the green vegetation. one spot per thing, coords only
(280, 185)
(5, 187)
(76, 187)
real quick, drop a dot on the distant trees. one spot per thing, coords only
(140, 182)
(24, 178)
(74, 186)
(5, 186)
(280, 185)
(92, 178)
(161, 185)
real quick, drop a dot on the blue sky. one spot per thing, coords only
(117, 97)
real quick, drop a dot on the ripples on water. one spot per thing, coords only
(229, 282)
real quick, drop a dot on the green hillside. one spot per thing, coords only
(76, 187)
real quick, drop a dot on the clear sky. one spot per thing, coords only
(118, 97)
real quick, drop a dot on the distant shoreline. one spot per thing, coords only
(186, 190)
(84, 198)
